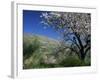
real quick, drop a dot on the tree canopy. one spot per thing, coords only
(74, 28)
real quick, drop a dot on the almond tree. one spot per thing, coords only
(74, 28)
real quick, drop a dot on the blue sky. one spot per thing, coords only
(32, 24)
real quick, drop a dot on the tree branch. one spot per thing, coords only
(87, 49)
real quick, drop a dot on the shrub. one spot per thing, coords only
(30, 47)
(70, 62)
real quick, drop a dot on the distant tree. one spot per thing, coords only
(74, 29)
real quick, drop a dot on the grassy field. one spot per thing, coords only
(41, 52)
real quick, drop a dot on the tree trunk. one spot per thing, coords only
(82, 54)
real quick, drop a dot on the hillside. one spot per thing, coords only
(43, 48)
(41, 39)
(43, 52)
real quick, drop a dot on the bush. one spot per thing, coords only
(30, 47)
(70, 62)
